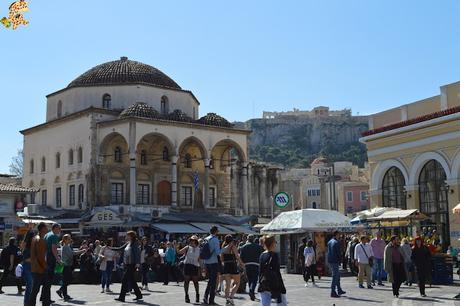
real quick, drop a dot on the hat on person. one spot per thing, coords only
(194, 237)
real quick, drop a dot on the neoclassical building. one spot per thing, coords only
(124, 133)
(414, 156)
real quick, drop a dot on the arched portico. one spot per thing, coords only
(381, 170)
(421, 160)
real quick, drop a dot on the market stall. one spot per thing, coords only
(315, 224)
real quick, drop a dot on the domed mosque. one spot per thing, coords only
(126, 135)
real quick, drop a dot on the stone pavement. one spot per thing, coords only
(298, 295)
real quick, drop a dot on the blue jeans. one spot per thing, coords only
(212, 282)
(335, 284)
(27, 276)
(252, 272)
(106, 277)
(266, 299)
(377, 270)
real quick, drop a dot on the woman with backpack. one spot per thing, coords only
(191, 267)
(271, 285)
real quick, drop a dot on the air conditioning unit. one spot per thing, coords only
(33, 209)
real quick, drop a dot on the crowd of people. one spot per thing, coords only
(376, 260)
(44, 257)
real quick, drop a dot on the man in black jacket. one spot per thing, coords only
(250, 255)
(10, 256)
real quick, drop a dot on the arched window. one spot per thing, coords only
(188, 161)
(71, 157)
(164, 105)
(59, 109)
(81, 194)
(143, 157)
(43, 164)
(433, 198)
(58, 160)
(80, 155)
(165, 154)
(106, 101)
(117, 155)
(393, 189)
(31, 166)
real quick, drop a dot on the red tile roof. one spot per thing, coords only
(427, 117)
(5, 188)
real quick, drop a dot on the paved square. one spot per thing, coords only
(298, 295)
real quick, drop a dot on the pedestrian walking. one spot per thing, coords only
(67, 254)
(170, 261)
(209, 253)
(145, 268)
(353, 264)
(52, 258)
(271, 285)
(26, 265)
(231, 260)
(421, 258)
(38, 263)
(191, 267)
(378, 248)
(107, 258)
(131, 262)
(393, 263)
(10, 257)
(250, 255)
(364, 257)
(406, 251)
(300, 256)
(310, 263)
(334, 259)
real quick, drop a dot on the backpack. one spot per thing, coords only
(205, 250)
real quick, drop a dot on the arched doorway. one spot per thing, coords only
(164, 193)
(433, 198)
(393, 194)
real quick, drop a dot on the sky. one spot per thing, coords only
(238, 57)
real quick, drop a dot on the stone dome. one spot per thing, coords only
(214, 119)
(123, 71)
(178, 115)
(141, 110)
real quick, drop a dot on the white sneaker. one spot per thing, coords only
(306, 285)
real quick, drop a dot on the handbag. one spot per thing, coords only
(370, 259)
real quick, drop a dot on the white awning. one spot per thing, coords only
(308, 220)
(207, 227)
(37, 221)
(178, 228)
(396, 215)
(240, 229)
(364, 215)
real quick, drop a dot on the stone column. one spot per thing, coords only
(132, 163)
(174, 180)
(206, 182)
(251, 206)
(244, 182)
(453, 196)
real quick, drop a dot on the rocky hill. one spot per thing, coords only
(296, 141)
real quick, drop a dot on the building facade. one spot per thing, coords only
(414, 159)
(124, 133)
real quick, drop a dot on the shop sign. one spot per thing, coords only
(2, 226)
(106, 216)
(282, 199)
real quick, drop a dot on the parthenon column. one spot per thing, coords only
(174, 159)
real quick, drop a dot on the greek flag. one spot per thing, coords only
(196, 180)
